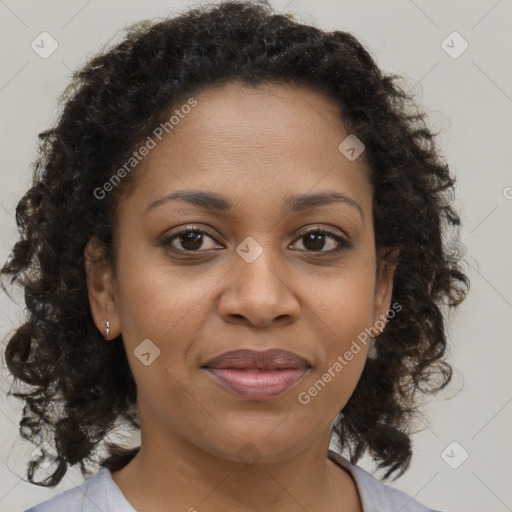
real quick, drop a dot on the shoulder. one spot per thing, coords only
(90, 496)
(375, 495)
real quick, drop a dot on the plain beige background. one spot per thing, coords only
(469, 100)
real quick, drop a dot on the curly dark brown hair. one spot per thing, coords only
(80, 387)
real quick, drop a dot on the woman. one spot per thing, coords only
(235, 241)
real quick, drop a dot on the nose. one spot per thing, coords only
(260, 293)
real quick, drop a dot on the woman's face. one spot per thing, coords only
(255, 280)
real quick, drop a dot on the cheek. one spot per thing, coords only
(156, 298)
(344, 312)
(341, 354)
(160, 311)
(344, 304)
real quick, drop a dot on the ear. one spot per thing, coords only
(384, 287)
(101, 289)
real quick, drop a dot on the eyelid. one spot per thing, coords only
(190, 227)
(201, 228)
(166, 238)
(342, 240)
(323, 229)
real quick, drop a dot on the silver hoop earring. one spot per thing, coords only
(108, 328)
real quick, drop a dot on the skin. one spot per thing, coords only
(255, 146)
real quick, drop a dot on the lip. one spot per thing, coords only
(271, 359)
(258, 375)
(257, 384)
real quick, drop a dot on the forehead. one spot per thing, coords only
(259, 119)
(273, 140)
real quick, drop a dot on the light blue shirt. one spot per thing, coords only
(101, 494)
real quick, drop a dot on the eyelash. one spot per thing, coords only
(342, 243)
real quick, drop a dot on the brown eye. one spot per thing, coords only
(188, 240)
(317, 239)
(192, 240)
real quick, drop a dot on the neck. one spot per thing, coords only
(190, 479)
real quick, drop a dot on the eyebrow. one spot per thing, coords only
(295, 203)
